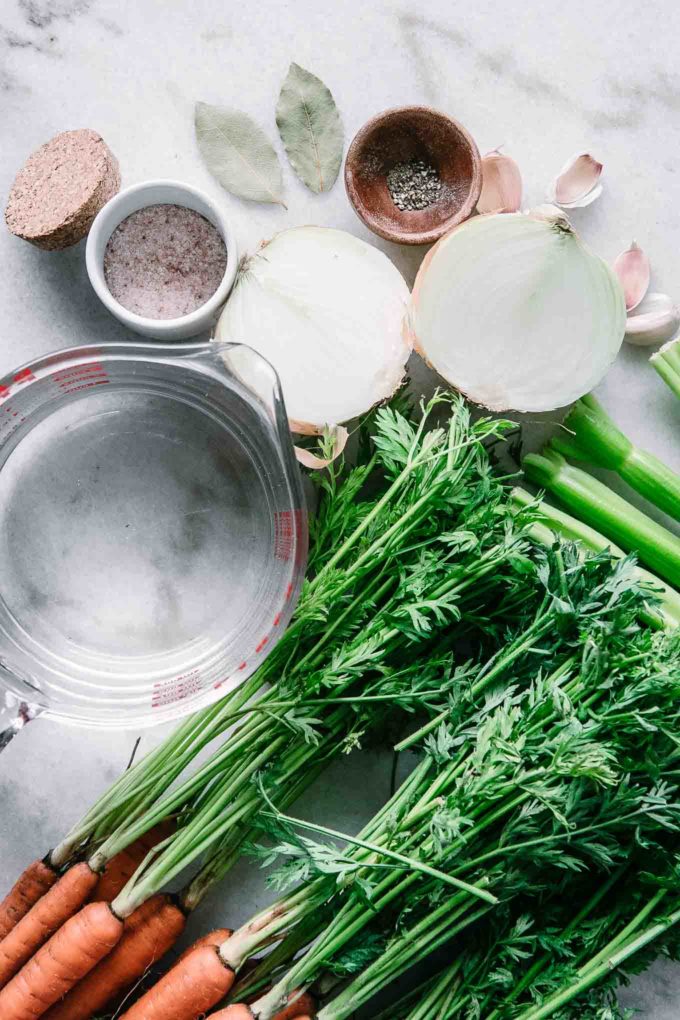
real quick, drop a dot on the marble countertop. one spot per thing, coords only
(541, 79)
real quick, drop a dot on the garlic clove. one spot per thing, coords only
(633, 270)
(656, 320)
(501, 184)
(577, 183)
(314, 463)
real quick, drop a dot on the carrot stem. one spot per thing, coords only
(409, 863)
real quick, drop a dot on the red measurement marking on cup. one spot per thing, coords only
(85, 386)
(81, 377)
(25, 375)
(79, 372)
(168, 692)
(262, 644)
(288, 527)
(10, 420)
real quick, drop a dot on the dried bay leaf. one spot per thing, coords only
(238, 154)
(310, 129)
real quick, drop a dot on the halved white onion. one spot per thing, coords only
(515, 312)
(327, 310)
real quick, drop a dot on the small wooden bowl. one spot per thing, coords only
(400, 135)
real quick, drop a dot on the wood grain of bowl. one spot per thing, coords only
(400, 135)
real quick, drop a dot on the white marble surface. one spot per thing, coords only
(544, 79)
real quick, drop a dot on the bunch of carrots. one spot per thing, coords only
(437, 552)
(646, 685)
(536, 784)
(338, 663)
(564, 964)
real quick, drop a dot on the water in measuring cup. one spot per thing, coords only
(131, 524)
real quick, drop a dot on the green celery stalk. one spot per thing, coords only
(609, 513)
(598, 440)
(666, 361)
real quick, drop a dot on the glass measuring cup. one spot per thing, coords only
(153, 535)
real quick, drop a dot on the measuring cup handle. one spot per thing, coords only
(14, 714)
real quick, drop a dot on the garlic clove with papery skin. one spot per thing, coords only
(501, 184)
(310, 460)
(578, 182)
(633, 270)
(656, 320)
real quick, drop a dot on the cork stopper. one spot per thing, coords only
(61, 188)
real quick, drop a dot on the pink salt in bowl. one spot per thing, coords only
(141, 196)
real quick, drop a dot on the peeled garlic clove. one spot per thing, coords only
(577, 183)
(656, 320)
(632, 269)
(501, 184)
(314, 463)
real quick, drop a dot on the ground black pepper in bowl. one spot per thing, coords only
(414, 185)
(412, 174)
(164, 261)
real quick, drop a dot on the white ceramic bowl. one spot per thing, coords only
(138, 196)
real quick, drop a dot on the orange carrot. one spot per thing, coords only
(191, 988)
(44, 918)
(68, 956)
(213, 938)
(122, 867)
(299, 1005)
(148, 934)
(26, 891)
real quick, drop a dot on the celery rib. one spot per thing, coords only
(609, 513)
(667, 363)
(596, 439)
